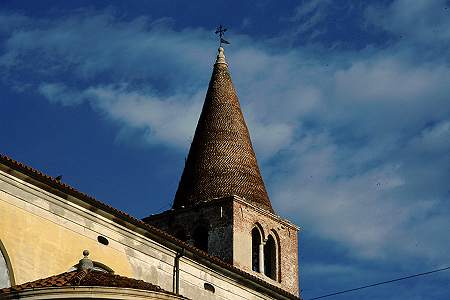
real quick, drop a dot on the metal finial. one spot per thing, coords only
(220, 57)
(85, 263)
(221, 32)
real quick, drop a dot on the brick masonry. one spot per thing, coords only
(230, 221)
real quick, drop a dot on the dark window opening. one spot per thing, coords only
(102, 240)
(200, 238)
(181, 235)
(209, 287)
(102, 267)
(256, 241)
(270, 257)
(98, 266)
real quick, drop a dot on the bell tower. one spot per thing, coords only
(221, 205)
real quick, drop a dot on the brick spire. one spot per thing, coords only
(221, 161)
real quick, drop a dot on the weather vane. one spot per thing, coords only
(221, 31)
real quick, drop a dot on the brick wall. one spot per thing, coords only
(230, 221)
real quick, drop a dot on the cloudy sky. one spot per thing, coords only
(348, 104)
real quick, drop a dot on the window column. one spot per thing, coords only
(261, 256)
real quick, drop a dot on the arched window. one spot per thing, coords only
(6, 274)
(256, 242)
(200, 237)
(270, 258)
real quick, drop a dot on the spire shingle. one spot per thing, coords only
(221, 160)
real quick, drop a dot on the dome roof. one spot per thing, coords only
(85, 278)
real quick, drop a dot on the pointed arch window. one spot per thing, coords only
(270, 258)
(256, 244)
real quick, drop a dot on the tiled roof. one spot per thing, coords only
(221, 161)
(86, 278)
(52, 185)
(52, 281)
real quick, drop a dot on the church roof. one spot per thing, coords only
(61, 189)
(221, 161)
(89, 278)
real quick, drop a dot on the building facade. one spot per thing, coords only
(220, 240)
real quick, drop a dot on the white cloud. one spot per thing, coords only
(169, 120)
(309, 15)
(422, 21)
(165, 68)
(434, 140)
(383, 211)
(59, 93)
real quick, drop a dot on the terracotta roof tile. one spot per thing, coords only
(52, 281)
(87, 278)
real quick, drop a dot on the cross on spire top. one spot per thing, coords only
(221, 32)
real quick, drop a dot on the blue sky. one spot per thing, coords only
(347, 103)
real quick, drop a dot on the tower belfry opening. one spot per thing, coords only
(256, 245)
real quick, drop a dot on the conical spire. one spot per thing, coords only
(221, 161)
